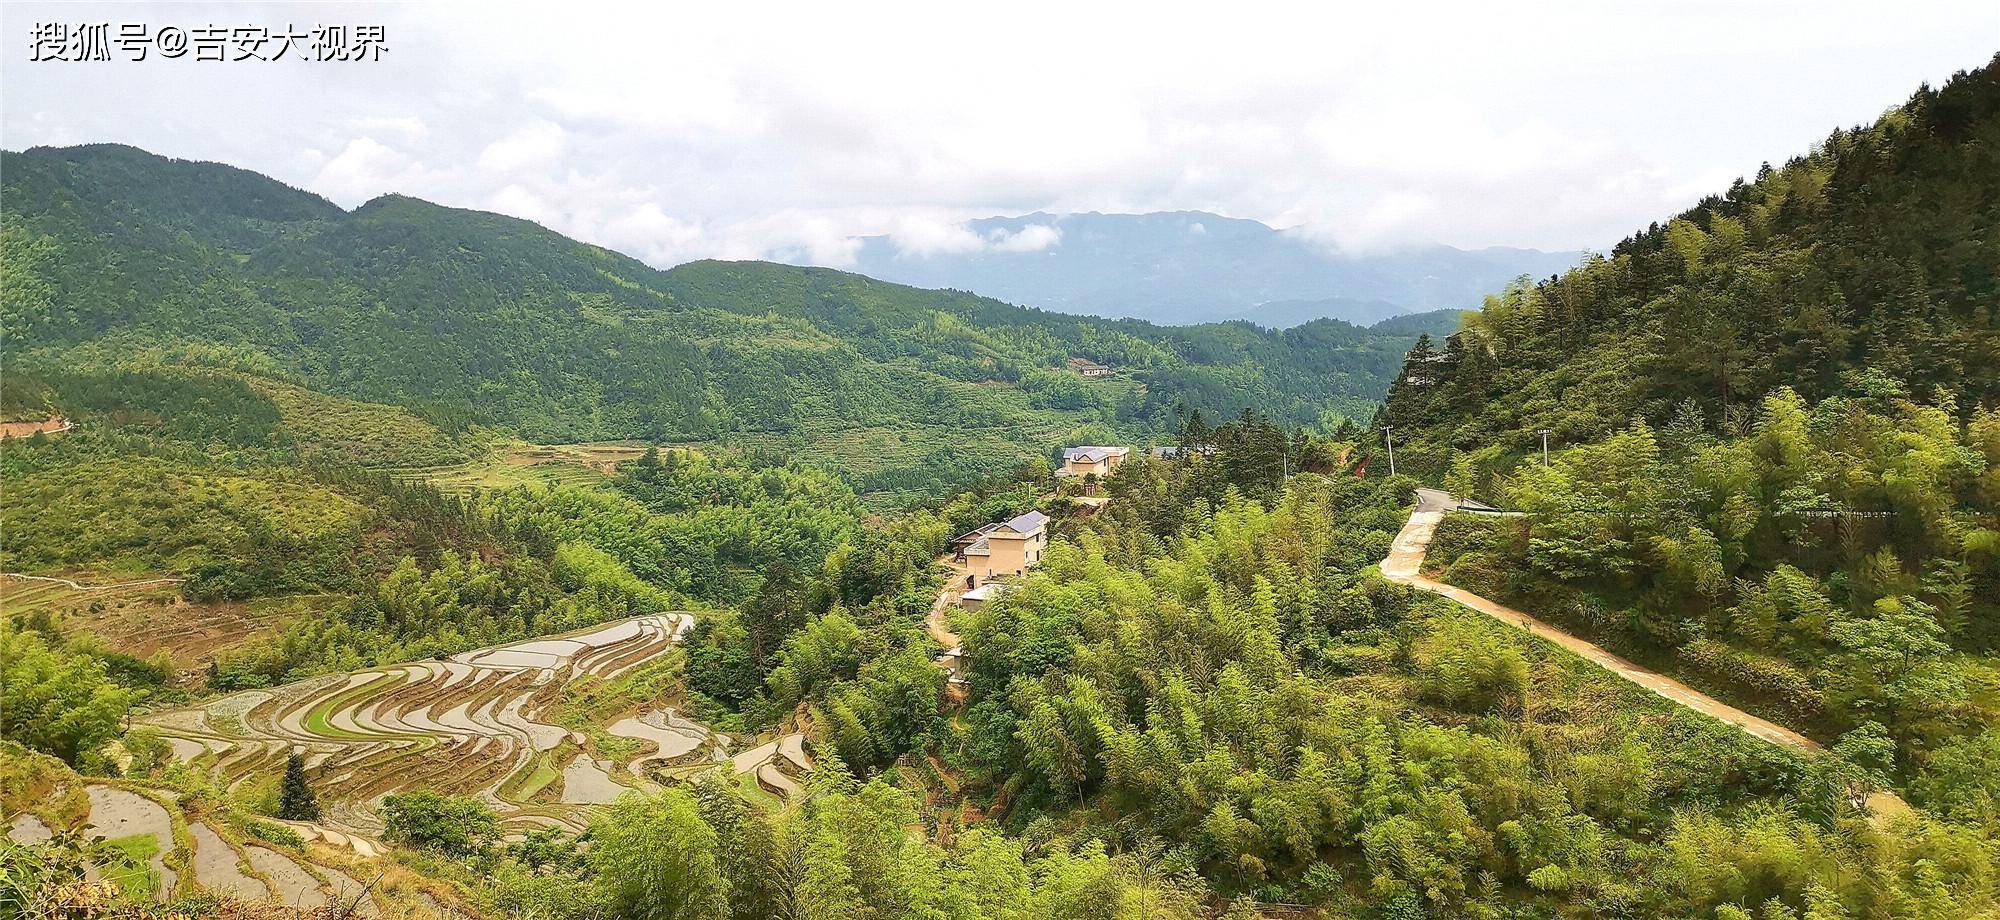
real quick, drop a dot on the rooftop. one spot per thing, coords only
(974, 535)
(1094, 454)
(985, 592)
(1027, 523)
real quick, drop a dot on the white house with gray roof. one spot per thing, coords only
(1010, 547)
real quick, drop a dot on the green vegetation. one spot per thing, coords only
(236, 532)
(1772, 475)
(295, 795)
(57, 700)
(1245, 690)
(133, 873)
(455, 825)
(1866, 257)
(1776, 472)
(1786, 490)
(1833, 565)
(845, 852)
(463, 318)
(180, 397)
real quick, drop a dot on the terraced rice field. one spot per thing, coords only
(141, 615)
(480, 723)
(216, 865)
(143, 828)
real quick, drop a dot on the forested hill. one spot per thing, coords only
(471, 317)
(1774, 426)
(1877, 250)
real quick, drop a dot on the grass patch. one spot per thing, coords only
(591, 703)
(133, 872)
(522, 787)
(616, 747)
(518, 463)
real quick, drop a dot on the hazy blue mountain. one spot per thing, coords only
(1192, 266)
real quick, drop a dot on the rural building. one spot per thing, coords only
(953, 663)
(977, 597)
(1171, 452)
(1084, 461)
(1089, 368)
(966, 540)
(1010, 547)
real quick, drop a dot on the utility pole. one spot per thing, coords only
(1545, 448)
(1388, 436)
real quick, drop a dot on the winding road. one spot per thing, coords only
(1405, 563)
(938, 621)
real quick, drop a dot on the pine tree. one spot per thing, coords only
(296, 801)
(1196, 433)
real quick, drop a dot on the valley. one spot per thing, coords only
(409, 561)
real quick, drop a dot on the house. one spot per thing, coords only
(1171, 452)
(977, 597)
(1010, 547)
(1089, 368)
(1084, 461)
(967, 539)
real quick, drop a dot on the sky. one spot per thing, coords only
(671, 132)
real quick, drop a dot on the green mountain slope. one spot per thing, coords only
(1775, 424)
(1875, 250)
(471, 317)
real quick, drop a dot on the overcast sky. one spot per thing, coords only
(677, 131)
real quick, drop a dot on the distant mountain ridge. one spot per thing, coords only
(116, 256)
(1192, 267)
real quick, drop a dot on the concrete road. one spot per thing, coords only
(1404, 565)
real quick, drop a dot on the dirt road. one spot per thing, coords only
(73, 586)
(54, 425)
(938, 621)
(1405, 565)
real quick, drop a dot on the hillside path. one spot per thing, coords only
(56, 424)
(74, 586)
(1405, 563)
(938, 621)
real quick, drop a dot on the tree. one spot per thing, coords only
(55, 701)
(296, 801)
(656, 859)
(456, 825)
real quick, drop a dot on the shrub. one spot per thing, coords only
(456, 825)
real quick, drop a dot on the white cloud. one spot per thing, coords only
(926, 235)
(403, 127)
(680, 132)
(1031, 238)
(535, 149)
(651, 235)
(364, 169)
(517, 201)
